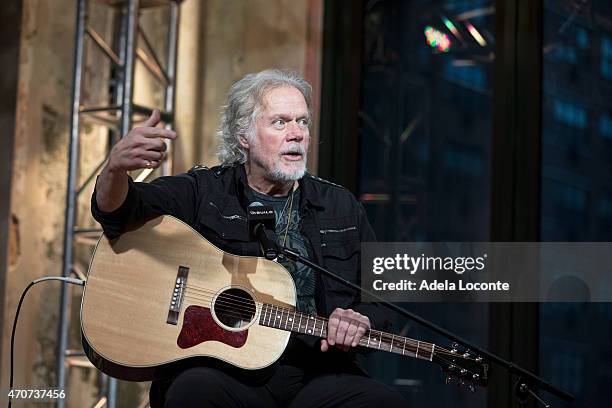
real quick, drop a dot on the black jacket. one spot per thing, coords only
(214, 201)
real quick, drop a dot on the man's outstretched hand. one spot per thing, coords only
(345, 328)
(143, 147)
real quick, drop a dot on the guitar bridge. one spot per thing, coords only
(178, 293)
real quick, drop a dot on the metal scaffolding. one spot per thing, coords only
(132, 44)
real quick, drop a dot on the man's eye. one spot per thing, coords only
(278, 123)
(303, 123)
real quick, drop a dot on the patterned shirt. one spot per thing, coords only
(303, 276)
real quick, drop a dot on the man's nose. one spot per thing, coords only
(294, 131)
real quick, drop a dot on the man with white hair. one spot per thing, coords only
(264, 139)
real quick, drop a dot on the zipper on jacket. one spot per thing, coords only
(332, 231)
(327, 231)
(227, 217)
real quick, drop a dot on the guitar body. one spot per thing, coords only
(131, 328)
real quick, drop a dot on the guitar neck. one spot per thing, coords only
(298, 322)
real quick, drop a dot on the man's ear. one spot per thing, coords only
(243, 141)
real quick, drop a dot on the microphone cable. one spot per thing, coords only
(73, 281)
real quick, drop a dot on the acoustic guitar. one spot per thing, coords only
(162, 293)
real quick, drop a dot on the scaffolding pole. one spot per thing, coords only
(122, 102)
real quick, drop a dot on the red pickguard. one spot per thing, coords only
(199, 326)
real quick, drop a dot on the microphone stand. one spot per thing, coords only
(527, 384)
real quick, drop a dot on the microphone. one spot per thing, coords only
(261, 222)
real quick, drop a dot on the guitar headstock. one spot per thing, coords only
(464, 367)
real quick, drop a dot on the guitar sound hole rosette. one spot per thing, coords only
(234, 308)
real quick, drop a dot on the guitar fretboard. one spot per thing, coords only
(298, 322)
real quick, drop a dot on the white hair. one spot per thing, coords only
(244, 100)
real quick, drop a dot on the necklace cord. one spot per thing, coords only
(288, 216)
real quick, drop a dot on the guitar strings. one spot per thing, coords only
(317, 323)
(382, 337)
(387, 338)
(413, 345)
(206, 292)
(239, 313)
(197, 290)
(205, 295)
(211, 294)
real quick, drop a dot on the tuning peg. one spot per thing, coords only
(463, 371)
(472, 388)
(451, 367)
(466, 354)
(476, 377)
(448, 379)
(478, 359)
(454, 348)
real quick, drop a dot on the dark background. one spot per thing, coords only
(504, 140)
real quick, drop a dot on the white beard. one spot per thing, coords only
(277, 173)
(297, 172)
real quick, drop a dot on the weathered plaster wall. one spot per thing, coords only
(219, 41)
(190, 66)
(248, 36)
(37, 180)
(38, 190)
(10, 24)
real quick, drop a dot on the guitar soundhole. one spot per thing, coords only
(234, 308)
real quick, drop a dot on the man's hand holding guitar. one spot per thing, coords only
(345, 328)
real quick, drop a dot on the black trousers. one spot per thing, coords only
(300, 379)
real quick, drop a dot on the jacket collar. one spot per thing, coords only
(309, 193)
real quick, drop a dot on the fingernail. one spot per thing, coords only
(353, 344)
